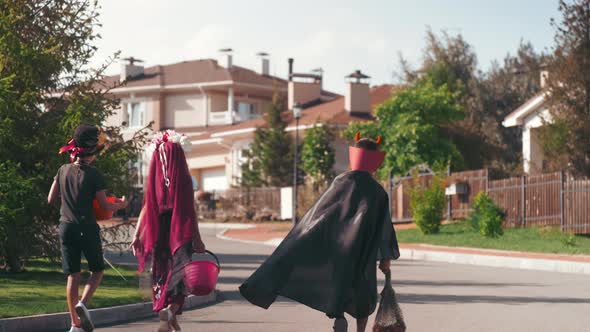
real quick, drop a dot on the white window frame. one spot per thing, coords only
(143, 102)
(131, 116)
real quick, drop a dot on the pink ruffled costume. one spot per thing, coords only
(169, 223)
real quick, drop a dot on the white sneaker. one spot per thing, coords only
(84, 315)
(76, 329)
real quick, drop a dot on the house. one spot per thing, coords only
(530, 116)
(219, 106)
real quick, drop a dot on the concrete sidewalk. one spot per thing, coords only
(273, 234)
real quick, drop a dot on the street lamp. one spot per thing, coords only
(296, 114)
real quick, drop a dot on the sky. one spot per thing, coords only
(338, 36)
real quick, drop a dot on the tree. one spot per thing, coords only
(270, 158)
(411, 124)
(566, 141)
(317, 154)
(46, 90)
(505, 87)
(486, 98)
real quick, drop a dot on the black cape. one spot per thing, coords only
(328, 260)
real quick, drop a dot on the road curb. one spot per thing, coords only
(538, 264)
(221, 225)
(490, 260)
(102, 316)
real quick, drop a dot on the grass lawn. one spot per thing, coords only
(544, 240)
(41, 289)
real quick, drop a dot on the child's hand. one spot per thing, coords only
(123, 203)
(135, 246)
(385, 265)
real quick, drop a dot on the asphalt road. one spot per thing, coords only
(434, 297)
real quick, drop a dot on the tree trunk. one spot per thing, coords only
(12, 261)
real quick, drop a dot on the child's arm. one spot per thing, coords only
(136, 243)
(389, 248)
(101, 197)
(52, 197)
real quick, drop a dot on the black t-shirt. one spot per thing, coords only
(78, 185)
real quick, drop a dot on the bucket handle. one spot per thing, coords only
(214, 256)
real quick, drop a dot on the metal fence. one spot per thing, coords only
(552, 199)
(241, 203)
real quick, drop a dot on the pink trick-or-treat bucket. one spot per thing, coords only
(200, 277)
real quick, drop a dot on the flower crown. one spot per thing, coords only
(172, 136)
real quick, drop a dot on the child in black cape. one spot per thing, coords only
(327, 261)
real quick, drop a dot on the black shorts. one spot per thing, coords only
(76, 239)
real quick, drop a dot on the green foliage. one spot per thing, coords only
(486, 217)
(567, 143)
(46, 90)
(317, 154)
(427, 205)
(36, 290)
(411, 125)
(270, 158)
(486, 97)
(569, 240)
(530, 239)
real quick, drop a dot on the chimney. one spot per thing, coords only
(302, 88)
(544, 76)
(129, 69)
(264, 63)
(357, 99)
(226, 57)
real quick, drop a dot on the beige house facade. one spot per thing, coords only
(219, 106)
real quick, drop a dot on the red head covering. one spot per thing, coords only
(365, 160)
(87, 140)
(168, 166)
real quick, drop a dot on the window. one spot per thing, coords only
(138, 170)
(136, 112)
(245, 110)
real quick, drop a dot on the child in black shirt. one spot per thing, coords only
(75, 186)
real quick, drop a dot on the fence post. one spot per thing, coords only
(487, 180)
(561, 201)
(449, 198)
(523, 218)
(390, 182)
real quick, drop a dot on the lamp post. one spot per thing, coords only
(296, 115)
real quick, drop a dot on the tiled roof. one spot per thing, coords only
(196, 71)
(332, 112)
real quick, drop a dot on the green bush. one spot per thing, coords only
(486, 217)
(427, 205)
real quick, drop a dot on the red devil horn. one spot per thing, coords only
(357, 136)
(379, 140)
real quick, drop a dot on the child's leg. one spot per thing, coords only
(361, 324)
(69, 234)
(91, 286)
(340, 324)
(72, 296)
(92, 248)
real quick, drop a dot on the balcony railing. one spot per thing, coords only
(225, 117)
(220, 118)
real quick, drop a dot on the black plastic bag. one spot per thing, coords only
(389, 316)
